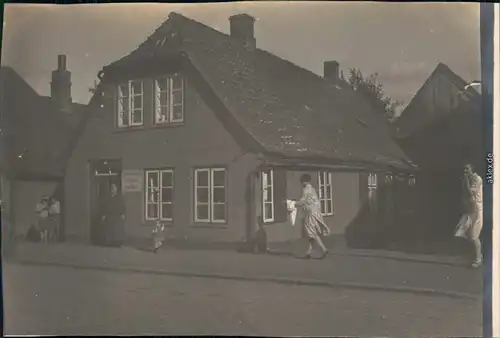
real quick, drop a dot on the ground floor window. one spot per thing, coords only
(372, 190)
(268, 196)
(325, 192)
(210, 195)
(159, 194)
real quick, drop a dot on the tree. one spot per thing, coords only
(373, 91)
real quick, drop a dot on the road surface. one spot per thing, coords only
(66, 301)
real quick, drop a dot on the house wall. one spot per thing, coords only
(25, 197)
(346, 204)
(202, 141)
(346, 200)
(440, 95)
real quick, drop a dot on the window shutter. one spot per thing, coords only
(363, 187)
(280, 212)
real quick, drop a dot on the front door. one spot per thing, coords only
(104, 173)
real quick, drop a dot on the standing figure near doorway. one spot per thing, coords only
(54, 218)
(113, 218)
(43, 222)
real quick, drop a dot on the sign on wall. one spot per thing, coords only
(132, 181)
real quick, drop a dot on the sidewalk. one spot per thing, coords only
(340, 269)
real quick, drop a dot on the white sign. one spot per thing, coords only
(132, 180)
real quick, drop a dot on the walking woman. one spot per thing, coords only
(314, 225)
(471, 223)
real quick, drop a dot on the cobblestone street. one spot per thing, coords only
(55, 300)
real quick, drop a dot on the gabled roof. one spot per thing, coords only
(415, 116)
(35, 132)
(288, 110)
(446, 135)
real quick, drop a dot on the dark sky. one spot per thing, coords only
(401, 42)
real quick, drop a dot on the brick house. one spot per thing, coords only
(35, 133)
(206, 132)
(441, 130)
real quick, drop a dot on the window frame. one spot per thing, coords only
(158, 203)
(131, 108)
(327, 177)
(389, 178)
(372, 190)
(211, 203)
(265, 185)
(169, 104)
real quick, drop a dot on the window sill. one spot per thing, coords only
(167, 125)
(129, 129)
(148, 127)
(201, 225)
(152, 223)
(273, 223)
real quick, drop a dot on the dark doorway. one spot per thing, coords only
(103, 174)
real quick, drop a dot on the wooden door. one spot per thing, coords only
(103, 173)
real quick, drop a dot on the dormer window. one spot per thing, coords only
(130, 104)
(169, 99)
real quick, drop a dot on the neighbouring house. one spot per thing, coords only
(207, 133)
(441, 131)
(35, 133)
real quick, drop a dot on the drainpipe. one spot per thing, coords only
(251, 184)
(250, 194)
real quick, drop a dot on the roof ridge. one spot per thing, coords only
(454, 77)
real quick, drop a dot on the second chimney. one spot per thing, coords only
(331, 71)
(242, 28)
(60, 87)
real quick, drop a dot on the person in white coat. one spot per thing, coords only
(471, 222)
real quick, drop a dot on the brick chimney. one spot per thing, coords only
(60, 87)
(242, 28)
(331, 71)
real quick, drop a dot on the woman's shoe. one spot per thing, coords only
(325, 253)
(476, 265)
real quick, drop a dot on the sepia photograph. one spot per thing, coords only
(245, 168)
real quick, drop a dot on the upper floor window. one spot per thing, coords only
(130, 104)
(412, 181)
(325, 192)
(169, 99)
